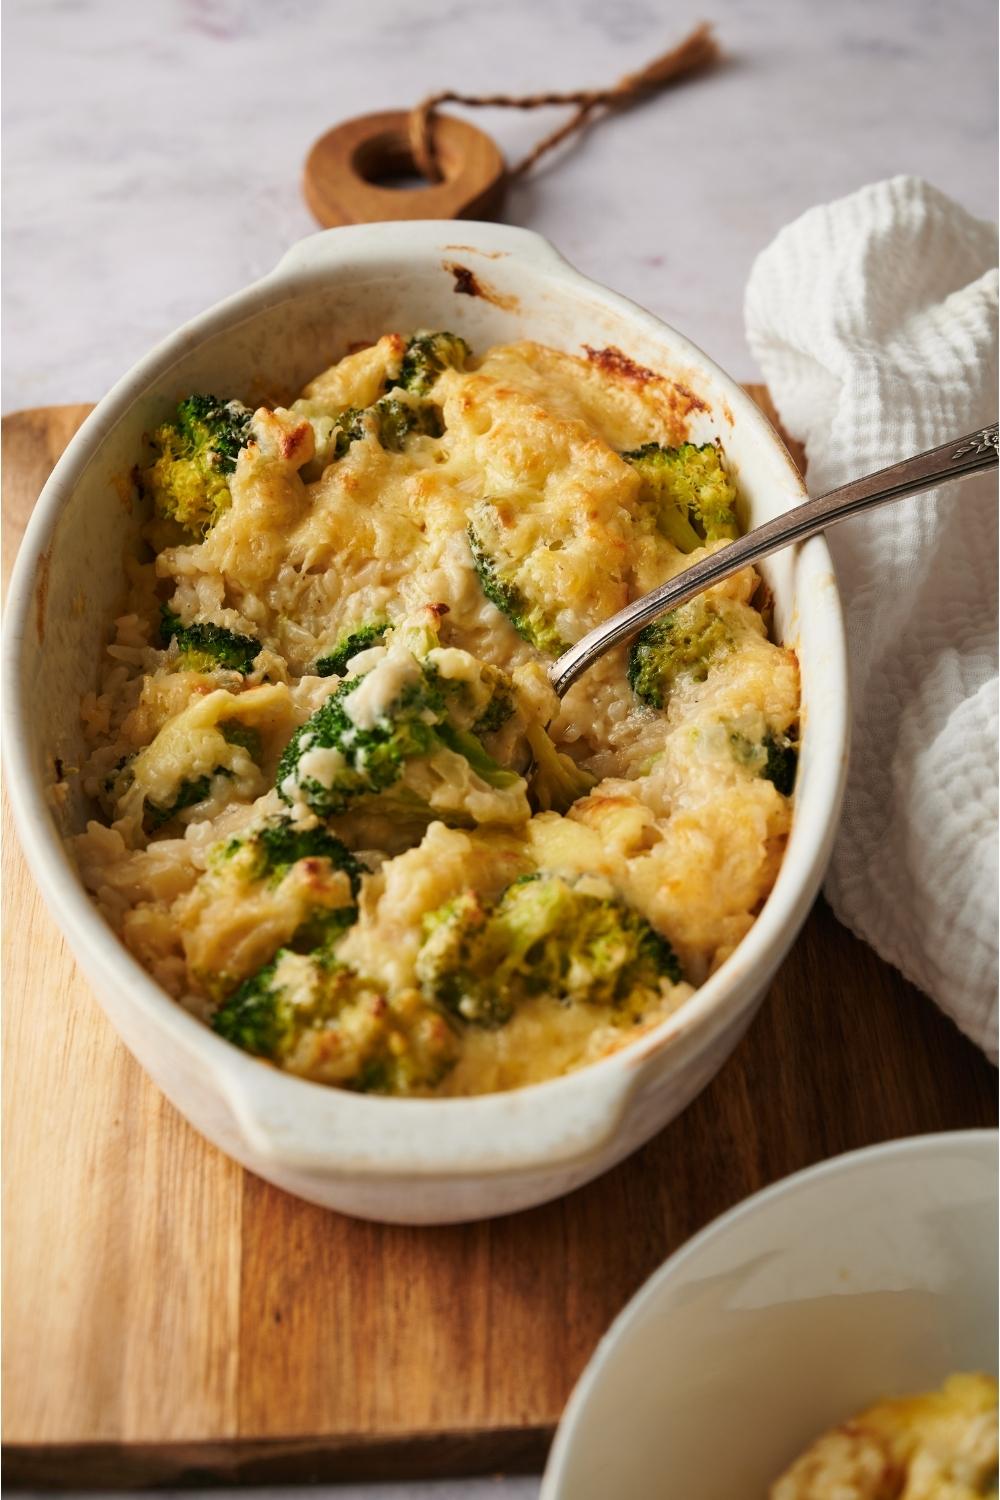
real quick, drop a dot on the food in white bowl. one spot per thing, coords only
(938, 1445)
(412, 1159)
(834, 1293)
(345, 817)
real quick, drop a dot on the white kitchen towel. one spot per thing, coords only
(874, 320)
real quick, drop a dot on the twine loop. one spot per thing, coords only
(696, 52)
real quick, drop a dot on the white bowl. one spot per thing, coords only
(870, 1275)
(411, 1161)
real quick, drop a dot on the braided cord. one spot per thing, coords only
(696, 52)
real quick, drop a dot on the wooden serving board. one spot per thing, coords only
(170, 1318)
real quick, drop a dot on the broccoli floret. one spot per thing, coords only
(195, 453)
(683, 644)
(283, 845)
(206, 648)
(781, 763)
(691, 490)
(276, 845)
(557, 781)
(502, 591)
(348, 428)
(258, 1017)
(321, 929)
(543, 938)
(452, 968)
(235, 733)
(217, 428)
(775, 757)
(499, 709)
(326, 1022)
(397, 419)
(392, 421)
(365, 761)
(273, 884)
(334, 663)
(188, 794)
(427, 354)
(368, 761)
(464, 742)
(482, 701)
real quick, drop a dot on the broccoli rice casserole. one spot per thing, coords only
(344, 817)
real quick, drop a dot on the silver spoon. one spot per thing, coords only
(954, 460)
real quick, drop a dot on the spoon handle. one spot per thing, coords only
(954, 460)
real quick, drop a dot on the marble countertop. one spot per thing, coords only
(153, 154)
(153, 151)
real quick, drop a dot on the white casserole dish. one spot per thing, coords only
(411, 1161)
(871, 1275)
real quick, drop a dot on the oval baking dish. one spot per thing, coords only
(405, 1160)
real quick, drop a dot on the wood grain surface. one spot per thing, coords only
(171, 1318)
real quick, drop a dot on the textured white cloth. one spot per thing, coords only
(874, 320)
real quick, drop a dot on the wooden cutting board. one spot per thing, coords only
(170, 1318)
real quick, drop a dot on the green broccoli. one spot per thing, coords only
(775, 758)
(463, 742)
(272, 884)
(349, 427)
(206, 648)
(544, 937)
(295, 1007)
(235, 733)
(781, 763)
(332, 435)
(452, 968)
(195, 454)
(271, 850)
(683, 644)
(481, 701)
(258, 1017)
(499, 709)
(501, 589)
(396, 420)
(557, 781)
(334, 663)
(189, 793)
(693, 494)
(391, 419)
(427, 354)
(366, 761)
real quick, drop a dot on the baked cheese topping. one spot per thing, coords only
(939, 1446)
(343, 816)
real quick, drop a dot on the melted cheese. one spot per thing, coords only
(382, 687)
(939, 1446)
(312, 549)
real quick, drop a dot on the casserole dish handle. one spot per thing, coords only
(314, 1127)
(377, 243)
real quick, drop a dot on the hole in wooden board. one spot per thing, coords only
(400, 182)
(386, 161)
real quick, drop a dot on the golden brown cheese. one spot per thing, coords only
(676, 824)
(939, 1446)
